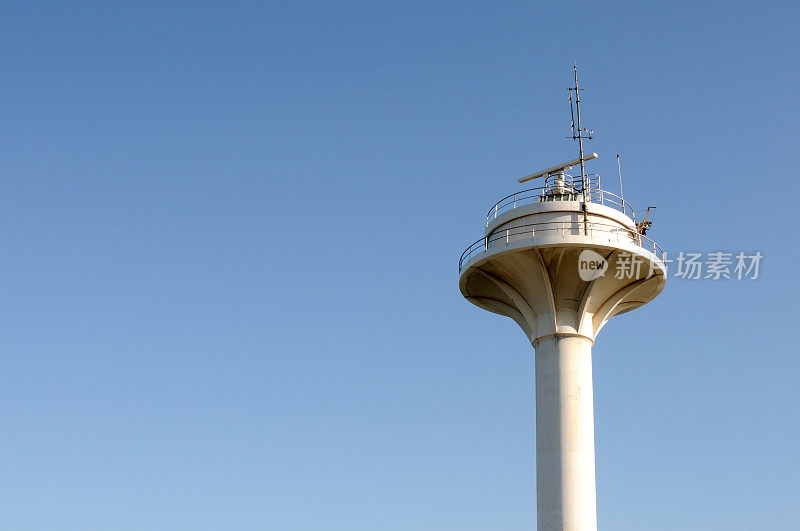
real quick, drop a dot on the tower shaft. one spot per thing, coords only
(561, 283)
(565, 468)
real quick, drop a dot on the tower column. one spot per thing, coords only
(565, 473)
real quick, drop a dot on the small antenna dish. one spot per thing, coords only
(556, 169)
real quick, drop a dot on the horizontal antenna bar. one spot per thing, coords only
(556, 168)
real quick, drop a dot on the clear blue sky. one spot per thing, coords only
(230, 239)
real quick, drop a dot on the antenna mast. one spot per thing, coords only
(580, 130)
(579, 137)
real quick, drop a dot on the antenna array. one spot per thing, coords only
(579, 136)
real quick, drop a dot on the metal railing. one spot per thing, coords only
(561, 188)
(615, 233)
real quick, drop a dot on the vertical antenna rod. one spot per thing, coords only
(579, 137)
(572, 115)
(580, 133)
(621, 195)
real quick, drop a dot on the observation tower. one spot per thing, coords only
(561, 260)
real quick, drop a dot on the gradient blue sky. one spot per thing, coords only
(230, 240)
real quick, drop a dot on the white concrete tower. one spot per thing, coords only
(561, 260)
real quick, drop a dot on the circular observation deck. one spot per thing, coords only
(553, 213)
(537, 239)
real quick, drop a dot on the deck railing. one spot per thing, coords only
(615, 233)
(558, 188)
